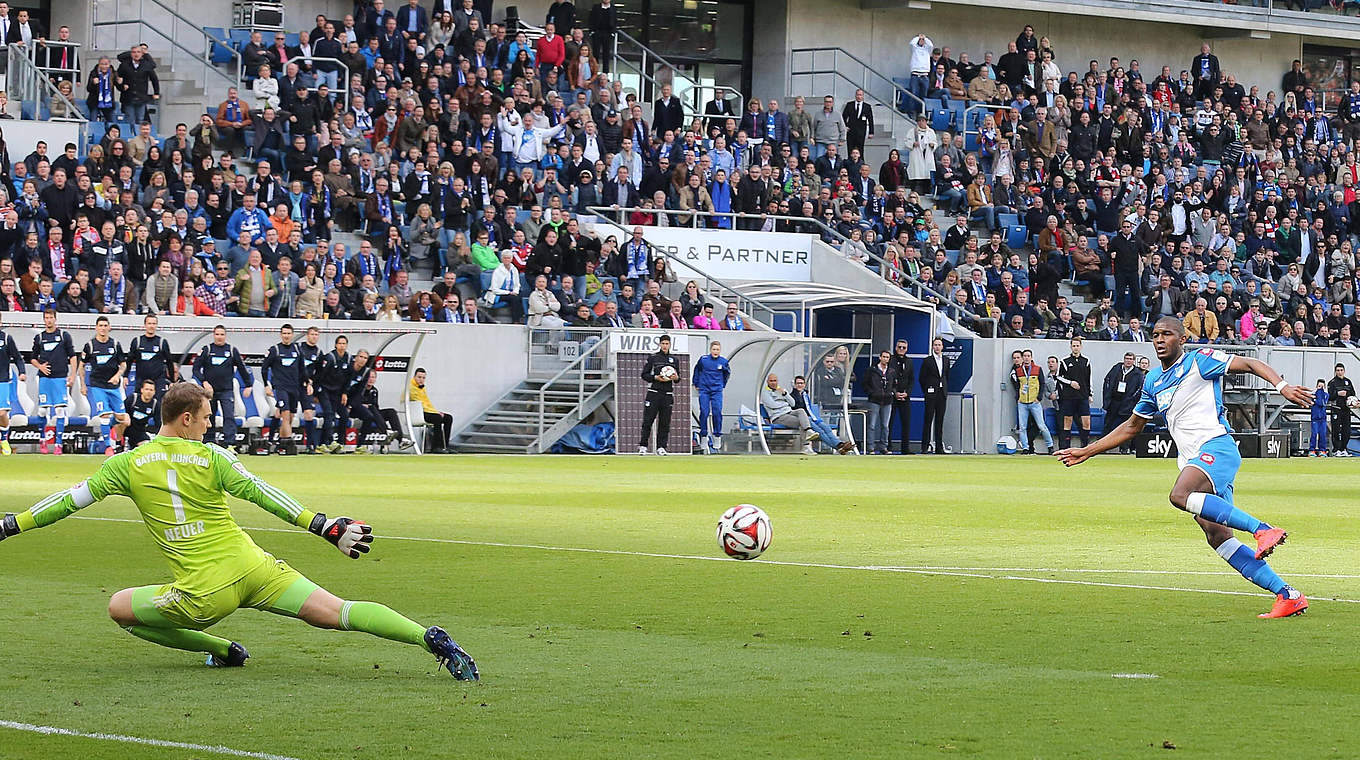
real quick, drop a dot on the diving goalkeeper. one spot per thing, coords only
(179, 484)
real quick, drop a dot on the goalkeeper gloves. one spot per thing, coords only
(8, 527)
(351, 537)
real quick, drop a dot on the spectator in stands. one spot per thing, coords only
(139, 85)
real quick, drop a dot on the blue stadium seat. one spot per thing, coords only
(934, 104)
(970, 142)
(239, 38)
(291, 39)
(1008, 220)
(219, 53)
(941, 119)
(952, 256)
(957, 107)
(1016, 236)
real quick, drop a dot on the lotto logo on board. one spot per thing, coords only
(1207, 458)
(391, 364)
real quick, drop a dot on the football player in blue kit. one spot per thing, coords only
(1188, 390)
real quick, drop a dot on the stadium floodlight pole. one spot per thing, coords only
(1188, 390)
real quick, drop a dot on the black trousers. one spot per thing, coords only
(390, 422)
(902, 411)
(934, 420)
(1341, 428)
(443, 428)
(657, 411)
(334, 416)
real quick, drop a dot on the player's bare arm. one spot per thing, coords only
(1126, 432)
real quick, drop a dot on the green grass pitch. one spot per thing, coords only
(910, 607)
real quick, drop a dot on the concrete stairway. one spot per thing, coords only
(511, 424)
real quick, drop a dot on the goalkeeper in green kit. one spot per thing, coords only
(179, 485)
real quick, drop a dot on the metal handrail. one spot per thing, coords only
(743, 301)
(50, 70)
(921, 287)
(27, 82)
(641, 68)
(580, 380)
(204, 57)
(865, 71)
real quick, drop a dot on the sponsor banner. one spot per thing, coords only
(392, 363)
(736, 254)
(648, 342)
(1156, 445)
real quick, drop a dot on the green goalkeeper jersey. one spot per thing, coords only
(180, 488)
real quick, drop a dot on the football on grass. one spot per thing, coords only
(744, 531)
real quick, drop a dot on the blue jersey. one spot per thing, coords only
(1189, 394)
(56, 349)
(104, 360)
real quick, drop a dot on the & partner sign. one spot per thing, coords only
(736, 254)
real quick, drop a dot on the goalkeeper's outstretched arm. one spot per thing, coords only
(351, 537)
(110, 480)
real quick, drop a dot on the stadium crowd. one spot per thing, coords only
(471, 152)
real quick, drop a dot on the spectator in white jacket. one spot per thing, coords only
(530, 142)
(504, 288)
(543, 305)
(266, 89)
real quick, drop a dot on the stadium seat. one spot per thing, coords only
(239, 38)
(940, 119)
(1016, 236)
(416, 425)
(934, 104)
(952, 256)
(1008, 220)
(957, 108)
(221, 53)
(970, 142)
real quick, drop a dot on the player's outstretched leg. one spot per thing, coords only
(149, 625)
(1288, 601)
(1194, 493)
(325, 610)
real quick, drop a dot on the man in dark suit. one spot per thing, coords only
(718, 110)
(935, 388)
(413, 27)
(620, 191)
(1205, 72)
(667, 113)
(24, 29)
(904, 374)
(604, 21)
(859, 122)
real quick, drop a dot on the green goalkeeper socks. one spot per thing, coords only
(182, 638)
(381, 620)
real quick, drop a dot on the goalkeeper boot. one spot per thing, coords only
(450, 655)
(236, 657)
(5, 449)
(1267, 539)
(1285, 606)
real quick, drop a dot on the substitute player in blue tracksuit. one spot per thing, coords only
(219, 365)
(1317, 445)
(1188, 391)
(285, 374)
(107, 363)
(10, 362)
(711, 374)
(54, 356)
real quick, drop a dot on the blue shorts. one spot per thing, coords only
(6, 394)
(51, 391)
(286, 400)
(105, 401)
(1220, 460)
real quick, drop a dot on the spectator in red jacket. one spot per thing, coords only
(550, 50)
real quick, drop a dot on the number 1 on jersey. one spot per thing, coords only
(172, 482)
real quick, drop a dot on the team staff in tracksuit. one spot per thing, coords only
(54, 356)
(1317, 443)
(1341, 391)
(312, 354)
(285, 374)
(660, 396)
(150, 357)
(144, 409)
(711, 374)
(10, 362)
(331, 383)
(218, 365)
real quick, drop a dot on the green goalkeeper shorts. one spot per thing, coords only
(272, 586)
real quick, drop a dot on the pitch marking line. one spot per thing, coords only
(975, 572)
(216, 750)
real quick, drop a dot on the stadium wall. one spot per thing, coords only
(878, 37)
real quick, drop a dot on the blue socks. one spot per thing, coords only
(106, 431)
(4, 433)
(1217, 509)
(1244, 561)
(61, 428)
